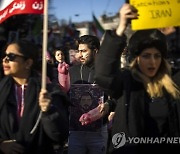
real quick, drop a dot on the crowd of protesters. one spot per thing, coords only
(96, 96)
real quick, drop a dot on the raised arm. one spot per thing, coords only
(107, 63)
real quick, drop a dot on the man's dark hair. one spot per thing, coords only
(92, 41)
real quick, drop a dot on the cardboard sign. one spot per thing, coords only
(156, 14)
(84, 97)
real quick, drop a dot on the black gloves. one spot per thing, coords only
(11, 147)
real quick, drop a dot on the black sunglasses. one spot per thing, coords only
(12, 56)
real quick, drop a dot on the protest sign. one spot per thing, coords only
(9, 8)
(84, 97)
(156, 13)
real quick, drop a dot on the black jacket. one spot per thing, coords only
(176, 78)
(53, 125)
(130, 93)
(81, 74)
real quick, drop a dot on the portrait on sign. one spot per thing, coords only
(84, 97)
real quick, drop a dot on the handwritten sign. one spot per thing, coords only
(9, 8)
(156, 13)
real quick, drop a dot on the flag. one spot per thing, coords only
(97, 27)
(9, 8)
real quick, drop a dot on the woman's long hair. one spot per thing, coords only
(162, 80)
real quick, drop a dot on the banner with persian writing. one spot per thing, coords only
(9, 8)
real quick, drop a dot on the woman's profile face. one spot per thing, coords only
(14, 62)
(149, 61)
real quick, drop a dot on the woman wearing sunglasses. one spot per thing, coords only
(31, 120)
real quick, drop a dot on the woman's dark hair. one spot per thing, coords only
(29, 50)
(58, 49)
(144, 39)
(63, 50)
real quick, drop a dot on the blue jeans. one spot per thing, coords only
(82, 142)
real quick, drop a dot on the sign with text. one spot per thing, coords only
(156, 13)
(9, 8)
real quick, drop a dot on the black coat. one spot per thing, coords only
(176, 78)
(130, 94)
(87, 73)
(53, 125)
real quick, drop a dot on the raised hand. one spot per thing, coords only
(126, 13)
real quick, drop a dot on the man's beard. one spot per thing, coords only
(89, 61)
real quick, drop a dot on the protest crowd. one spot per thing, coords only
(114, 94)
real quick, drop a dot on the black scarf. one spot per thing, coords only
(8, 121)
